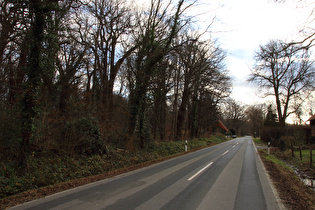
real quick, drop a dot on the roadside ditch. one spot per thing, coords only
(290, 182)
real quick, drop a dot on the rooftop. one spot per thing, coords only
(312, 118)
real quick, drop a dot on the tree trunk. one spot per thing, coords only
(182, 112)
(300, 149)
(174, 116)
(311, 155)
(30, 102)
(16, 82)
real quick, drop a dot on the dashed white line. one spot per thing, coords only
(200, 171)
(225, 152)
(204, 168)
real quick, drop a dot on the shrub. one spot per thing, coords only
(273, 135)
(10, 132)
(169, 148)
(83, 136)
(197, 143)
(217, 138)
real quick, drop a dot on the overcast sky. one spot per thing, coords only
(242, 25)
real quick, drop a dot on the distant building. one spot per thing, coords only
(221, 126)
(312, 125)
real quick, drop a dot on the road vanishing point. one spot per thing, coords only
(229, 175)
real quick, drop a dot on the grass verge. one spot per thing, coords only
(258, 141)
(292, 191)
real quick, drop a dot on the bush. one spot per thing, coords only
(197, 143)
(10, 132)
(169, 148)
(273, 135)
(83, 136)
(217, 138)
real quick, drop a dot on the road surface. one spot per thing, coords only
(226, 176)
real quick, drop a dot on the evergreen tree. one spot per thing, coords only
(271, 117)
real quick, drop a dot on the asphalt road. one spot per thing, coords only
(226, 176)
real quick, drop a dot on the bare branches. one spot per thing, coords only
(84, 45)
(306, 43)
(285, 71)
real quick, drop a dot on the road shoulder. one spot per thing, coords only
(272, 197)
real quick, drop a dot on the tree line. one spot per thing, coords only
(77, 76)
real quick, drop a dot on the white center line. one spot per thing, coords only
(196, 174)
(225, 152)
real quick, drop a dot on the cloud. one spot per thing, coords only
(240, 53)
(243, 25)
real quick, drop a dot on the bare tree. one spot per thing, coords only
(286, 72)
(14, 47)
(205, 80)
(234, 115)
(255, 117)
(190, 57)
(113, 22)
(155, 36)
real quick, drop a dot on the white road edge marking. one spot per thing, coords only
(196, 174)
(255, 148)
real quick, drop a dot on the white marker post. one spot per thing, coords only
(268, 148)
(186, 145)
